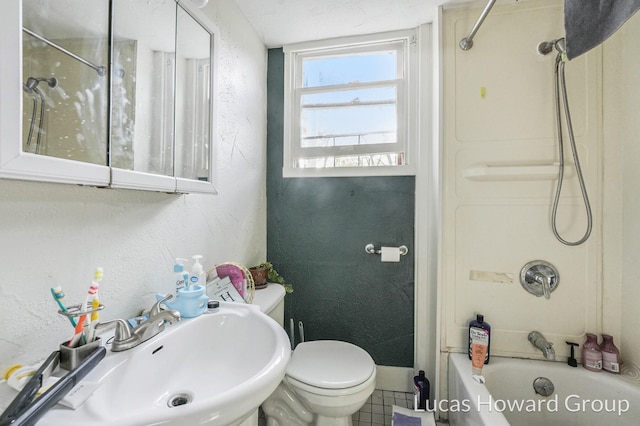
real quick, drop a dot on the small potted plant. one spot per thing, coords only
(264, 273)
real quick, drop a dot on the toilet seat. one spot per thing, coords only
(340, 394)
(326, 380)
(330, 365)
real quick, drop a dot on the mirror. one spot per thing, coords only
(64, 81)
(149, 119)
(144, 50)
(193, 98)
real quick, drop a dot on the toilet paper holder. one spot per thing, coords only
(371, 249)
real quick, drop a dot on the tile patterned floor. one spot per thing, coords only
(378, 409)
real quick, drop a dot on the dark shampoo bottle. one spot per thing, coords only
(480, 334)
(421, 391)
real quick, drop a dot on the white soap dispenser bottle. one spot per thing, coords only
(198, 276)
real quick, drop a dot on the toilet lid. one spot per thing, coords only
(330, 364)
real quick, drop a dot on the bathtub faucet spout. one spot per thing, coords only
(537, 339)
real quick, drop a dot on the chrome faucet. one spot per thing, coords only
(125, 338)
(537, 339)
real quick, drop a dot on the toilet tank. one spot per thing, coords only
(271, 301)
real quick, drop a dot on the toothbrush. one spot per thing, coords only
(94, 319)
(58, 295)
(77, 335)
(93, 290)
(95, 303)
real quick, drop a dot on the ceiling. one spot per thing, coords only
(281, 22)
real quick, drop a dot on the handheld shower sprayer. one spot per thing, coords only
(562, 102)
(547, 47)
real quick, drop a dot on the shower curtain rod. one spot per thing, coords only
(467, 42)
(99, 69)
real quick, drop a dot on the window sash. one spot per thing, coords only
(393, 160)
(399, 146)
(397, 44)
(295, 154)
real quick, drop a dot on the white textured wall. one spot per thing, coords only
(53, 234)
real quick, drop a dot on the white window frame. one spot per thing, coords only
(407, 101)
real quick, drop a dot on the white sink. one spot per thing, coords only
(214, 369)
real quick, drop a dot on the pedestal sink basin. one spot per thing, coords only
(214, 369)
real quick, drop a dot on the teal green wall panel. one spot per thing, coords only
(317, 231)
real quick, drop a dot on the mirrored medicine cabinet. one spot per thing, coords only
(115, 93)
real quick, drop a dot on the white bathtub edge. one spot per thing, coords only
(474, 409)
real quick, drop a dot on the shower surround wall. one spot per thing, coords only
(622, 152)
(54, 234)
(500, 155)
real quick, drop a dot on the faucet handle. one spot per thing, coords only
(123, 332)
(155, 309)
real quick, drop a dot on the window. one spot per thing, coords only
(350, 106)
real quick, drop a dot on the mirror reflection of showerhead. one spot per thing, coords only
(31, 87)
(32, 82)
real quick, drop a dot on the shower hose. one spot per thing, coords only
(561, 85)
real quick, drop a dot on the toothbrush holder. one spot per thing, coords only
(70, 358)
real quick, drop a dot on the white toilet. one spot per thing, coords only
(326, 382)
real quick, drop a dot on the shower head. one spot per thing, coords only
(546, 47)
(32, 82)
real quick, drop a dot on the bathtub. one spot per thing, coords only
(580, 398)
